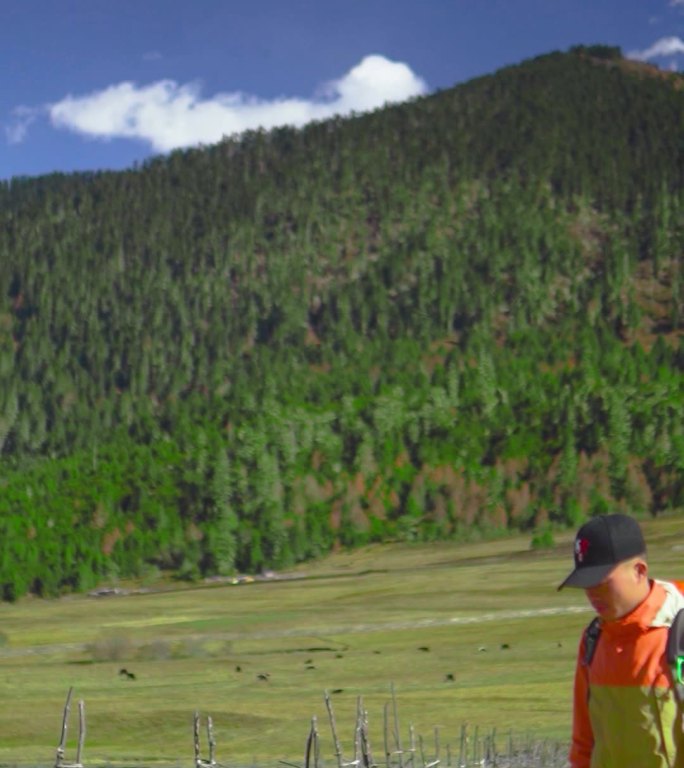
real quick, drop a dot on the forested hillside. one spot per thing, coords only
(458, 315)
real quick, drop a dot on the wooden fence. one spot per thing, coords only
(473, 748)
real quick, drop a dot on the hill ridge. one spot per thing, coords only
(460, 314)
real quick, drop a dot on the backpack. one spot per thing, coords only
(674, 649)
(675, 653)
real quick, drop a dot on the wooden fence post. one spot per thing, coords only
(312, 746)
(199, 761)
(61, 748)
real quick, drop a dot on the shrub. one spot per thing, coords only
(115, 647)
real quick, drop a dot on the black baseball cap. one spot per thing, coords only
(600, 545)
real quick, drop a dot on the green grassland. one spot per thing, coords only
(354, 623)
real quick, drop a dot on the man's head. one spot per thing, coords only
(610, 564)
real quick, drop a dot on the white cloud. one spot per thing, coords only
(22, 117)
(666, 46)
(168, 115)
(372, 83)
(676, 3)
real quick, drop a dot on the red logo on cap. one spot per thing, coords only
(581, 549)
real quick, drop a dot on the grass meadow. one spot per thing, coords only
(443, 623)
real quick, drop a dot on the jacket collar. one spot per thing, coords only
(643, 616)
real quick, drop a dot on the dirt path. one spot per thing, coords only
(346, 629)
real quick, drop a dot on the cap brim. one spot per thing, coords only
(587, 577)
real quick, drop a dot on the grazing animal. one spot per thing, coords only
(128, 675)
(310, 666)
(263, 676)
(448, 678)
(238, 668)
(505, 646)
(482, 648)
(337, 690)
(424, 648)
(339, 655)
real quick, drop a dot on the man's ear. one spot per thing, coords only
(641, 569)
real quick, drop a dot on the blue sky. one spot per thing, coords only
(101, 84)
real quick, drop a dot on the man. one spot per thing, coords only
(625, 711)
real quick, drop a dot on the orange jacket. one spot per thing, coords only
(625, 714)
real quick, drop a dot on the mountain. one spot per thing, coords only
(446, 318)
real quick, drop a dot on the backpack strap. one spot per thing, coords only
(675, 653)
(591, 636)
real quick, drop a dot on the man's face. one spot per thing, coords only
(621, 591)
